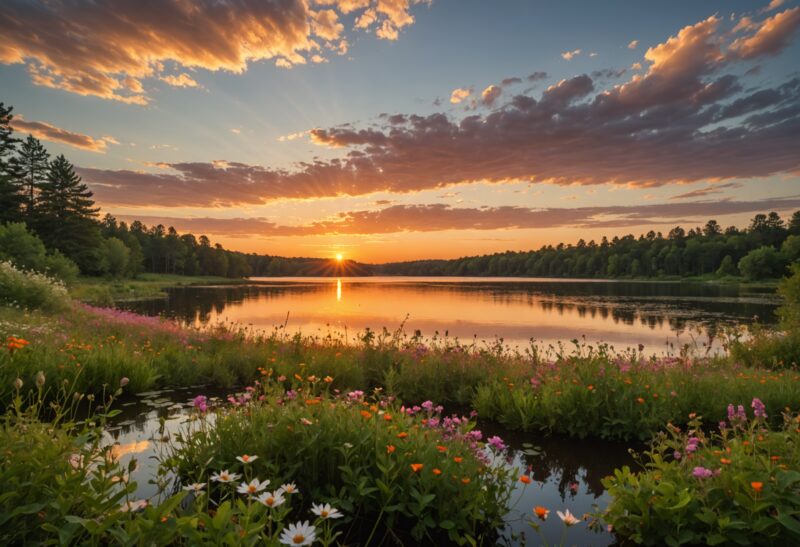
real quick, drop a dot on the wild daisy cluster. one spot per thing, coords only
(299, 533)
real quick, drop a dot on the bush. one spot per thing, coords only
(26, 251)
(31, 290)
(391, 471)
(762, 263)
(737, 485)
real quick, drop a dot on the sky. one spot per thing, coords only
(392, 130)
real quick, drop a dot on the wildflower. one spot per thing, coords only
(124, 381)
(574, 486)
(390, 448)
(40, 379)
(441, 448)
(299, 533)
(133, 506)
(525, 479)
(437, 471)
(759, 409)
(328, 379)
(325, 511)
(458, 459)
(225, 476)
(541, 512)
(402, 435)
(496, 443)
(246, 459)
(289, 488)
(416, 467)
(702, 473)
(676, 455)
(640, 400)
(725, 461)
(691, 444)
(252, 488)
(465, 481)
(200, 403)
(18, 383)
(366, 415)
(757, 486)
(272, 499)
(387, 417)
(194, 487)
(568, 518)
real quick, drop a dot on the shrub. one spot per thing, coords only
(736, 485)
(390, 469)
(26, 251)
(31, 290)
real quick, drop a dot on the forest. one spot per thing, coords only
(49, 222)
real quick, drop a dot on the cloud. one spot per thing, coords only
(536, 76)
(773, 5)
(181, 80)
(708, 190)
(609, 73)
(105, 48)
(293, 136)
(491, 94)
(686, 118)
(633, 44)
(510, 81)
(441, 217)
(459, 94)
(48, 132)
(569, 55)
(771, 38)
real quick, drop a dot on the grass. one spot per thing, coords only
(106, 291)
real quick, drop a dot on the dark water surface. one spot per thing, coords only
(566, 472)
(660, 315)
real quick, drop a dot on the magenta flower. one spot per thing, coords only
(759, 409)
(496, 443)
(702, 473)
(200, 403)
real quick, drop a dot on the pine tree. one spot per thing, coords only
(34, 162)
(66, 216)
(11, 197)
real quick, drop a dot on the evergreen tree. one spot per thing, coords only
(34, 163)
(11, 198)
(66, 216)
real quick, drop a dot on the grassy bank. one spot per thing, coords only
(106, 291)
(583, 391)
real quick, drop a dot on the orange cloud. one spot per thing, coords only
(569, 55)
(181, 80)
(459, 94)
(771, 37)
(104, 48)
(48, 132)
(491, 94)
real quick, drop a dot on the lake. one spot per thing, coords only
(662, 316)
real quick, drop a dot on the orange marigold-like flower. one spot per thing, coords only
(525, 479)
(541, 512)
(465, 480)
(366, 414)
(416, 467)
(458, 459)
(441, 448)
(437, 471)
(402, 435)
(757, 486)
(390, 448)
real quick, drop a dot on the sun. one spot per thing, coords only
(339, 257)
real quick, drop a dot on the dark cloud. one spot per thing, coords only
(708, 190)
(440, 217)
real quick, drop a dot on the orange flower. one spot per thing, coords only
(390, 448)
(441, 448)
(366, 414)
(590, 387)
(725, 461)
(775, 458)
(416, 467)
(525, 479)
(402, 435)
(387, 417)
(437, 471)
(328, 379)
(458, 459)
(640, 400)
(312, 401)
(757, 486)
(298, 377)
(541, 512)
(465, 480)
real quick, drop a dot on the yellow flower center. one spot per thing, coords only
(270, 501)
(298, 539)
(251, 488)
(323, 514)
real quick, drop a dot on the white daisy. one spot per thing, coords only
(325, 511)
(272, 499)
(246, 459)
(195, 486)
(568, 518)
(299, 533)
(289, 488)
(225, 476)
(252, 488)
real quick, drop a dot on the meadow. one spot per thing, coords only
(366, 431)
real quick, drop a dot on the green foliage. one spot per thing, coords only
(789, 312)
(762, 263)
(116, 257)
(727, 267)
(30, 290)
(26, 251)
(390, 472)
(737, 486)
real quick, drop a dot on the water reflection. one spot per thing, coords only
(620, 313)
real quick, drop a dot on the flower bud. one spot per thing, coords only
(18, 383)
(40, 379)
(124, 381)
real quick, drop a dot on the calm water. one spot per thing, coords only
(566, 472)
(483, 309)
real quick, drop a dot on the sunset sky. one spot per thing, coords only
(393, 129)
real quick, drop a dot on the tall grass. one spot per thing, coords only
(31, 290)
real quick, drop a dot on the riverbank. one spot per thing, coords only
(107, 291)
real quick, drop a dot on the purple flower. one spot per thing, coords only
(676, 455)
(691, 444)
(496, 443)
(428, 406)
(290, 395)
(702, 473)
(758, 408)
(200, 403)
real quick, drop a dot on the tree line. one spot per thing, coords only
(762, 250)
(49, 222)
